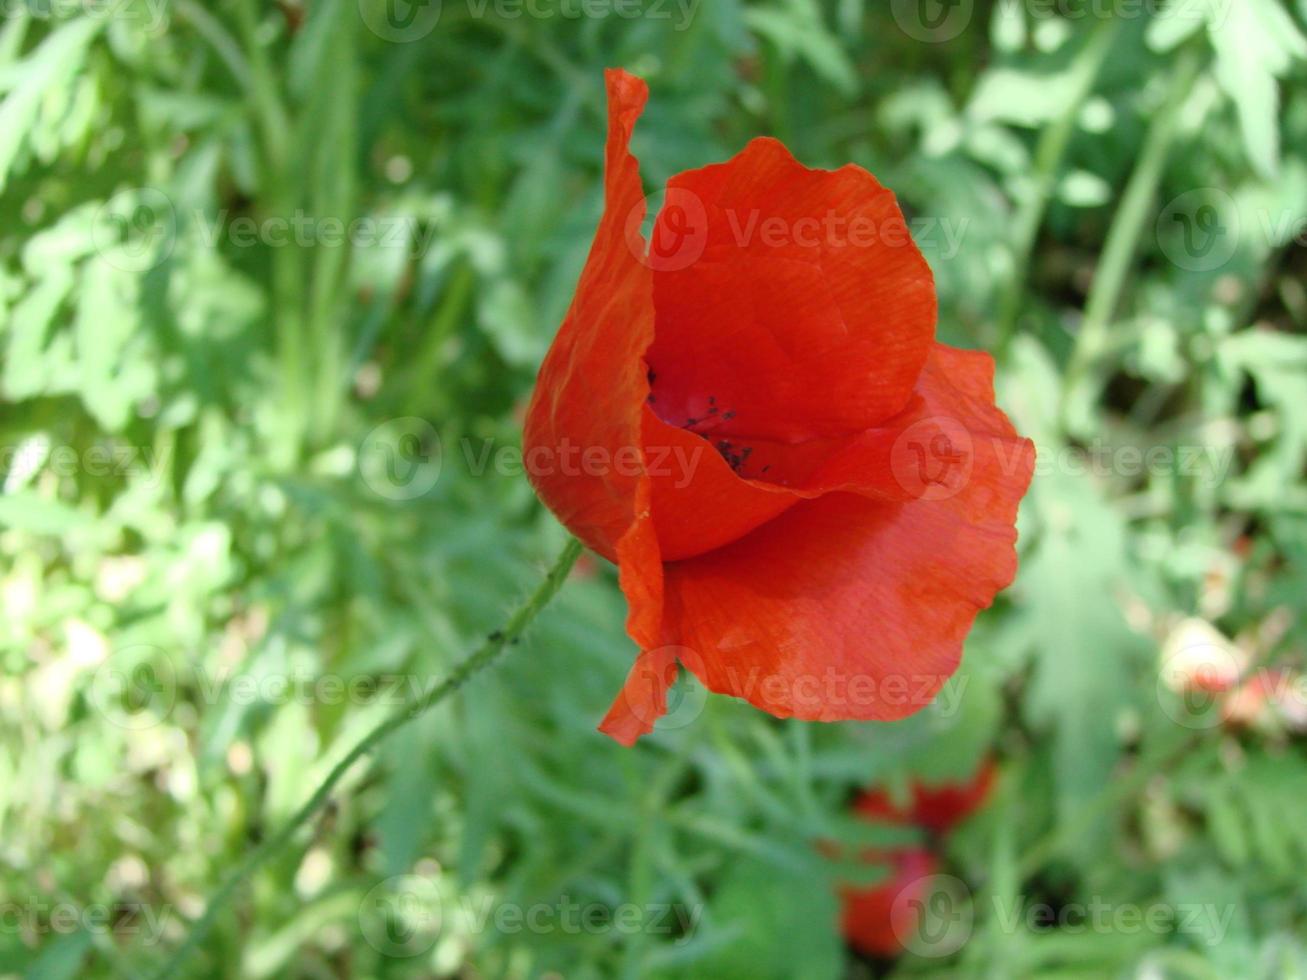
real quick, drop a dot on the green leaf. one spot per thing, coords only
(49, 68)
(1255, 43)
(797, 30)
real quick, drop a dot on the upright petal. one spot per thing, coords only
(582, 434)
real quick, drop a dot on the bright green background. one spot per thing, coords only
(243, 524)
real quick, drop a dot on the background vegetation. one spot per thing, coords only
(275, 277)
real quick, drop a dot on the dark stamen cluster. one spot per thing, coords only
(735, 456)
(714, 414)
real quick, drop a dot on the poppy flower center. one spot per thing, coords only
(703, 416)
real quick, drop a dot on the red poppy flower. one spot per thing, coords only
(877, 920)
(937, 809)
(808, 498)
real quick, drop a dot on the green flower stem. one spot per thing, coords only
(1048, 162)
(1128, 225)
(474, 664)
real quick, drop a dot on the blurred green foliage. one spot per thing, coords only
(274, 276)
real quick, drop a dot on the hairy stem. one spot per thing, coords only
(478, 661)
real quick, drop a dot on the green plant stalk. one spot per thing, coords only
(1128, 225)
(652, 807)
(486, 654)
(334, 193)
(1048, 161)
(426, 360)
(223, 44)
(287, 313)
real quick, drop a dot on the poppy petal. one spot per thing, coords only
(592, 387)
(702, 502)
(941, 808)
(849, 606)
(797, 305)
(875, 919)
(937, 807)
(699, 502)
